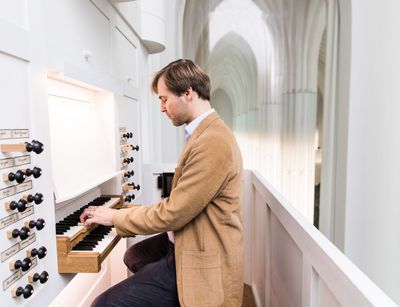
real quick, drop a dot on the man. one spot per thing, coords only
(202, 215)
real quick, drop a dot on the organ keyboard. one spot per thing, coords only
(82, 249)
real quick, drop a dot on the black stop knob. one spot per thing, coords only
(19, 176)
(128, 160)
(24, 264)
(42, 252)
(39, 224)
(35, 146)
(13, 205)
(25, 292)
(127, 135)
(36, 172)
(129, 174)
(23, 233)
(37, 198)
(135, 147)
(35, 277)
(129, 198)
(135, 187)
(20, 205)
(44, 276)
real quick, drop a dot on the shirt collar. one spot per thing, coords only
(189, 129)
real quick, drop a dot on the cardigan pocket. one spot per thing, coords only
(201, 278)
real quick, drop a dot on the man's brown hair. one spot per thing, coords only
(181, 75)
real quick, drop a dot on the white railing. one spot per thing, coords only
(288, 262)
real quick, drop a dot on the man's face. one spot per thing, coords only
(173, 106)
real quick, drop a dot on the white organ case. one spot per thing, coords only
(64, 83)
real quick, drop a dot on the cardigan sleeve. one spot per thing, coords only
(205, 172)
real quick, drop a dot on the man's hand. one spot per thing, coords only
(98, 215)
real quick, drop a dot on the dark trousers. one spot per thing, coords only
(154, 281)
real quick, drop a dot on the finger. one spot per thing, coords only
(88, 221)
(85, 215)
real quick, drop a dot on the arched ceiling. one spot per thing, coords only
(233, 68)
(283, 36)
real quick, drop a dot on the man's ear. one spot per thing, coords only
(188, 94)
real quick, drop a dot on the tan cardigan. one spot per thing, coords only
(205, 212)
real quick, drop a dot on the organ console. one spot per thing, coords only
(40, 186)
(81, 249)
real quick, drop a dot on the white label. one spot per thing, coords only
(28, 211)
(8, 220)
(5, 134)
(6, 192)
(25, 186)
(5, 163)
(20, 133)
(12, 279)
(22, 160)
(122, 129)
(28, 241)
(9, 252)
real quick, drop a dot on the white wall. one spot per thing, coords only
(373, 171)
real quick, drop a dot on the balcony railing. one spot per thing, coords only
(288, 262)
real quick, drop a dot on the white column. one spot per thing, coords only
(297, 150)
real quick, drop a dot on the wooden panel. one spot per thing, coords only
(82, 262)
